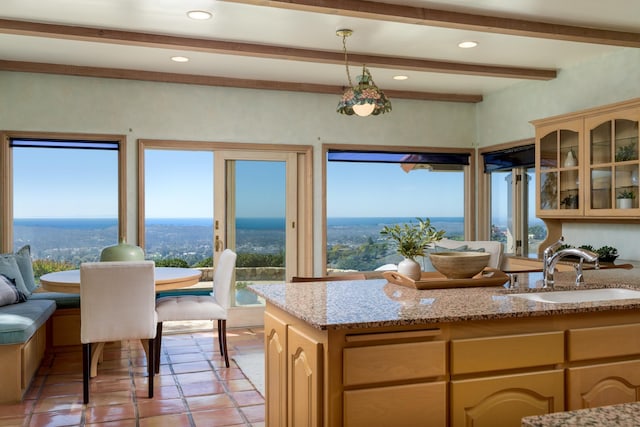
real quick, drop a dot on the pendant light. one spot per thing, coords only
(365, 98)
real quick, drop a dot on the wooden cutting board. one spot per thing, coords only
(435, 280)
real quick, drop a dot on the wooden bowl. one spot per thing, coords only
(459, 265)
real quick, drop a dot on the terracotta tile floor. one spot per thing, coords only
(192, 389)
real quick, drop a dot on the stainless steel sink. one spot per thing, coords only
(581, 295)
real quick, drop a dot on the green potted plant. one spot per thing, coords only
(570, 202)
(625, 199)
(411, 240)
(626, 152)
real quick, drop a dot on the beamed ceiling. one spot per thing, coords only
(292, 45)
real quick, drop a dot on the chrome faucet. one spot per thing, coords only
(551, 258)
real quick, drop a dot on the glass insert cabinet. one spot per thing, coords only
(587, 163)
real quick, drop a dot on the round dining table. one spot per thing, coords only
(167, 278)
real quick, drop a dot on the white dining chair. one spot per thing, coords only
(117, 302)
(202, 307)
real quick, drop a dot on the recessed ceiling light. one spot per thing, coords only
(467, 44)
(400, 77)
(200, 15)
(179, 59)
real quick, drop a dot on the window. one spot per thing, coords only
(65, 197)
(512, 217)
(178, 222)
(366, 190)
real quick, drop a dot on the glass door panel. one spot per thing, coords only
(548, 190)
(569, 183)
(601, 144)
(626, 140)
(256, 218)
(178, 206)
(601, 188)
(569, 148)
(626, 186)
(502, 227)
(549, 151)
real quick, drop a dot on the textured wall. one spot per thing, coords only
(41, 102)
(504, 116)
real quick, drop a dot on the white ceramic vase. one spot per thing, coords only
(624, 203)
(410, 268)
(570, 160)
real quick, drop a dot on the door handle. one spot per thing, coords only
(217, 244)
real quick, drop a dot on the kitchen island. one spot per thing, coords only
(372, 353)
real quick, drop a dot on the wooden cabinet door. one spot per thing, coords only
(275, 349)
(559, 157)
(502, 401)
(304, 369)
(613, 161)
(601, 385)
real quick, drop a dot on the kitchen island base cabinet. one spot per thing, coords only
(603, 384)
(481, 373)
(411, 405)
(502, 401)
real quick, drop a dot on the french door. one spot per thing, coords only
(197, 199)
(513, 220)
(255, 215)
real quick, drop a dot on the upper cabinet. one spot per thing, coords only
(587, 163)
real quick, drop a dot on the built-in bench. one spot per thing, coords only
(23, 340)
(64, 325)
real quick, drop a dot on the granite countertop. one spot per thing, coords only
(623, 415)
(375, 303)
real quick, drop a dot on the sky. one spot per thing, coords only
(179, 184)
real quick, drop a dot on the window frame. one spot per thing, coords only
(304, 226)
(6, 171)
(469, 184)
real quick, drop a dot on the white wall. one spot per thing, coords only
(41, 102)
(504, 116)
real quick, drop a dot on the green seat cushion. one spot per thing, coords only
(62, 300)
(179, 292)
(18, 322)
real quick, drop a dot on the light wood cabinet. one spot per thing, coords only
(603, 384)
(375, 369)
(481, 373)
(304, 369)
(503, 400)
(293, 375)
(558, 159)
(409, 405)
(275, 351)
(587, 161)
(612, 167)
(494, 392)
(605, 380)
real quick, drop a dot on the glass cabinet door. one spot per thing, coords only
(559, 157)
(613, 164)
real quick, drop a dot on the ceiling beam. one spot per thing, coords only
(456, 20)
(267, 51)
(116, 73)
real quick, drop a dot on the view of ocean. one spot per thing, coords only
(81, 239)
